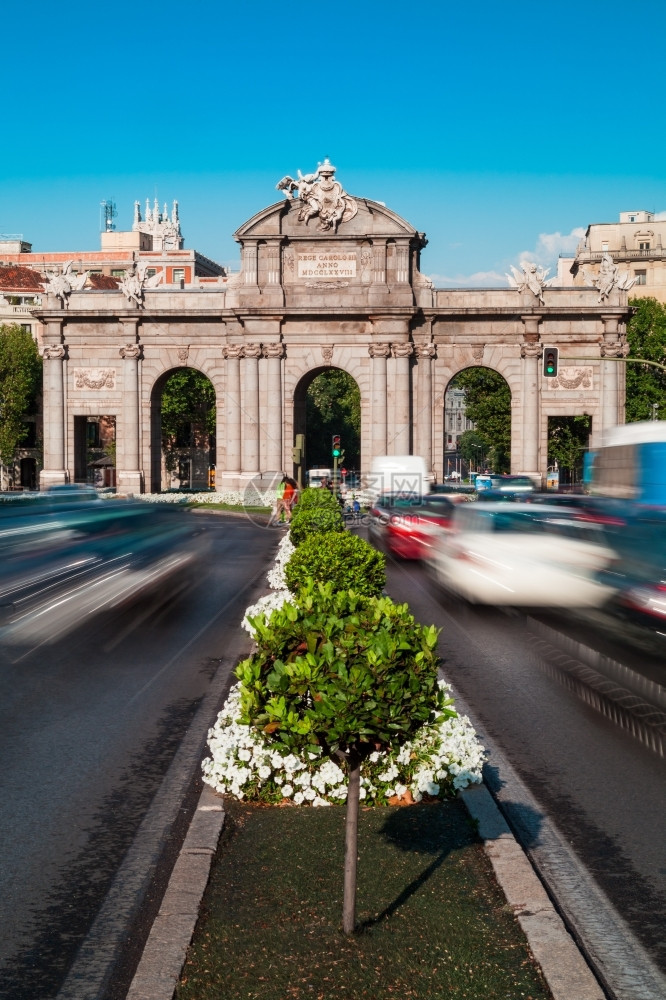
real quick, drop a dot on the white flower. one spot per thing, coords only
(298, 798)
(287, 791)
(264, 771)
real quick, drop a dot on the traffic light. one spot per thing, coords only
(336, 447)
(550, 361)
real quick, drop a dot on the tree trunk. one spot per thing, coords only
(351, 845)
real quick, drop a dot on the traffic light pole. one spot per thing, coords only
(625, 361)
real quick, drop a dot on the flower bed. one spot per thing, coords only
(444, 757)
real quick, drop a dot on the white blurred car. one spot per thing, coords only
(521, 555)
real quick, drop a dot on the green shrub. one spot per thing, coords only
(346, 560)
(338, 671)
(314, 518)
(316, 497)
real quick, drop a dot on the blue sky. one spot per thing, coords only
(498, 129)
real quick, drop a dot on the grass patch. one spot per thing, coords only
(432, 921)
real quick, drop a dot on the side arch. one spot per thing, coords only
(199, 452)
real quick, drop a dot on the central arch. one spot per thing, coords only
(317, 453)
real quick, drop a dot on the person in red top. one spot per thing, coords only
(288, 497)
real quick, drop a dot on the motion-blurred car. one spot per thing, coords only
(62, 564)
(639, 575)
(406, 524)
(517, 554)
(501, 487)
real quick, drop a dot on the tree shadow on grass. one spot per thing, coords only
(436, 829)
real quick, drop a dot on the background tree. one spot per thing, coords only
(488, 404)
(568, 437)
(472, 448)
(646, 385)
(333, 406)
(188, 414)
(20, 385)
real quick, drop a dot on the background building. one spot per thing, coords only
(636, 243)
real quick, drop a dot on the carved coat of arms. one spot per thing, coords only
(321, 197)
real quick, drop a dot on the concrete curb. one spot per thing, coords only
(163, 957)
(564, 968)
(555, 951)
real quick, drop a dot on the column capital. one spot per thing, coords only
(130, 351)
(233, 351)
(425, 351)
(252, 350)
(402, 350)
(531, 349)
(379, 350)
(274, 350)
(53, 352)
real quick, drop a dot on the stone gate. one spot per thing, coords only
(326, 280)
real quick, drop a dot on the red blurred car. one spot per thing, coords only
(404, 524)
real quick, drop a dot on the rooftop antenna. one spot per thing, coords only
(107, 214)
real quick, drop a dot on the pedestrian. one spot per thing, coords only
(277, 513)
(288, 497)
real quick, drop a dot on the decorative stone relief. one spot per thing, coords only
(609, 277)
(571, 377)
(533, 279)
(233, 352)
(403, 350)
(327, 354)
(379, 350)
(135, 281)
(252, 351)
(53, 352)
(478, 351)
(63, 283)
(327, 284)
(615, 348)
(321, 197)
(425, 351)
(531, 349)
(94, 378)
(183, 354)
(367, 262)
(273, 350)
(130, 351)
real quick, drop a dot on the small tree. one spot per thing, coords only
(343, 674)
(20, 382)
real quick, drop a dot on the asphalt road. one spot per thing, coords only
(88, 728)
(602, 791)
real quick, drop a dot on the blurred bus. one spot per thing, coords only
(630, 464)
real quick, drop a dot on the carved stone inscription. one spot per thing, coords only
(326, 264)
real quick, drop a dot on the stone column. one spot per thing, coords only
(130, 476)
(402, 423)
(231, 466)
(273, 422)
(528, 462)
(379, 353)
(54, 471)
(424, 354)
(613, 346)
(250, 435)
